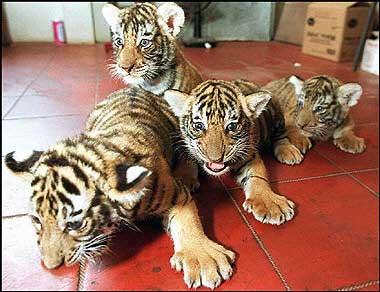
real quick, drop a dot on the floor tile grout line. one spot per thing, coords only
(14, 216)
(97, 84)
(349, 174)
(318, 176)
(81, 275)
(364, 185)
(367, 124)
(27, 87)
(42, 117)
(326, 175)
(359, 286)
(258, 240)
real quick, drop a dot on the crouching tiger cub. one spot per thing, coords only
(145, 48)
(118, 170)
(318, 108)
(223, 129)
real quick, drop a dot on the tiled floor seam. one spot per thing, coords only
(41, 117)
(14, 216)
(258, 240)
(364, 185)
(350, 175)
(359, 286)
(97, 84)
(318, 176)
(81, 275)
(27, 87)
(326, 175)
(367, 124)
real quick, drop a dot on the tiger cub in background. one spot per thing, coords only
(318, 108)
(147, 56)
(146, 52)
(118, 170)
(223, 129)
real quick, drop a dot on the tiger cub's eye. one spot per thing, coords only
(75, 225)
(119, 42)
(231, 127)
(199, 126)
(318, 109)
(145, 43)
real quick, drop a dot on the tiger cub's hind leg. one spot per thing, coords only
(187, 171)
(203, 261)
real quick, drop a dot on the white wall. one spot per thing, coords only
(32, 21)
(102, 31)
(79, 26)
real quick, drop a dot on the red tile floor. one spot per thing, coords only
(332, 243)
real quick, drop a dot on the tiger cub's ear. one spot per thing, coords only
(128, 183)
(22, 167)
(111, 14)
(178, 102)
(297, 82)
(349, 94)
(255, 103)
(171, 17)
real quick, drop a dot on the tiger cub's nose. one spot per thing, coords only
(127, 68)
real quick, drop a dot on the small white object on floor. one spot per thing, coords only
(208, 46)
(370, 60)
(297, 65)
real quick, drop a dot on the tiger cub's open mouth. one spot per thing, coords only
(216, 167)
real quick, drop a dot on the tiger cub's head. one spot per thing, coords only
(143, 39)
(323, 103)
(70, 209)
(216, 122)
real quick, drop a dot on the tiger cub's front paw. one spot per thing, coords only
(270, 208)
(288, 154)
(351, 144)
(302, 143)
(205, 263)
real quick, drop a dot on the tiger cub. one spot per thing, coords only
(118, 170)
(223, 129)
(318, 109)
(145, 48)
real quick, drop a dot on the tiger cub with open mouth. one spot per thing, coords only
(223, 129)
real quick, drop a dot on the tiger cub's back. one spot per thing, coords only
(284, 95)
(246, 86)
(271, 120)
(137, 118)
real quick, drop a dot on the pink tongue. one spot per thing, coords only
(215, 166)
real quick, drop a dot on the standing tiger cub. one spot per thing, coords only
(118, 170)
(223, 129)
(318, 108)
(147, 56)
(146, 52)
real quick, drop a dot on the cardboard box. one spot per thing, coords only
(370, 60)
(291, 22)
(333, 29)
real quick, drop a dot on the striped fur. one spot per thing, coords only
(76, 177)
(118, 170)
(318, 109)
(225, 129)
(145, 49)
